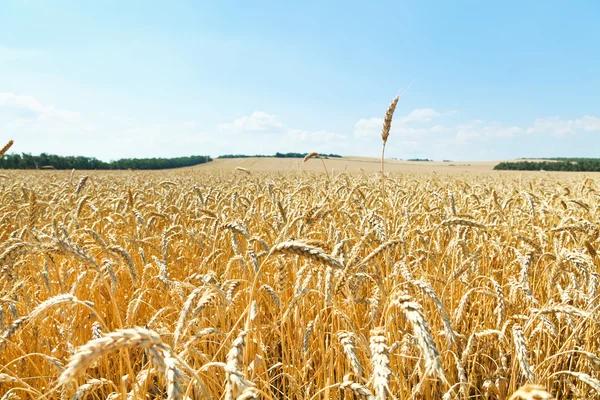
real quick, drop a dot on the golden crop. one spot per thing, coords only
(192, 284)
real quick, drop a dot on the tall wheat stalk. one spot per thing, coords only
(385, 133)
(315, 154)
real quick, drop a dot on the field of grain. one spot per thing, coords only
(202, 283)
(347, 164)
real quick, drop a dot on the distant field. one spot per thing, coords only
(368, 165)
(350, 164)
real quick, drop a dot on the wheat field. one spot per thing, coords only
(297, 285)
(348, 164)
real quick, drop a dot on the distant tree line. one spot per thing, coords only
(302, 155)
(566, 164)
(574, 159)
(243, 156)
(419, 159)
(277, 155)
(51, 161)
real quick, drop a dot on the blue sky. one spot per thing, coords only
(115, 79)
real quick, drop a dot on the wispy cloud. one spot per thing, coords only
(561, 127)
(189, 124)
(420, 115)
(424, 132)
(589, 123)
(313, 136)
(482, 130)
(27, 107)
(368, 127)
(258, 121)
(472, 131)
(401, 126)
(552, 126)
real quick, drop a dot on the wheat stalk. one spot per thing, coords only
(6, 147)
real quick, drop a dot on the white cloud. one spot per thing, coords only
(189, 124)
(588, 123)
(482, 130)
(314, 136)
(262, 125)
(258, 121)
(420, 134)
(560, 127)
(370, 127)
(28, 108)
(439, 129)
(406, 146)
(551, 126)
(420, 115)
(38, 127)
(425, 132)
(409, 132)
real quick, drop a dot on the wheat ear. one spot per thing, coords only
(381, 364)
(347, 341)
(412, 311)
(361, 392)
(531, 392)
(243, 170)
(236, 382)
(304, 250)
(522, 353)
(6, 147)
(120, 339)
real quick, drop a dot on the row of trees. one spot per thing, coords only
(243, 156)
(577, 165)
(576, 159)
(277, 155)
(51, 161)
(302, 155)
